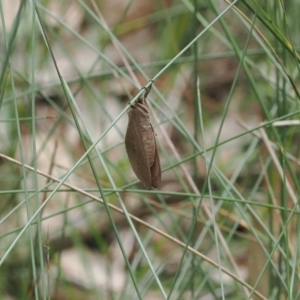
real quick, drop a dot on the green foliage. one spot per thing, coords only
(75, 221)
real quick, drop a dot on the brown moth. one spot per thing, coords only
(141, 145)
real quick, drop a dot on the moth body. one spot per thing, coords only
(141, 145)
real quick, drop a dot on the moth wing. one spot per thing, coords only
(136, 152)
(155, 169)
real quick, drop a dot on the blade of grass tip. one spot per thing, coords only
(287, 123)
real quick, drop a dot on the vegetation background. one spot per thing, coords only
(75, 222)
